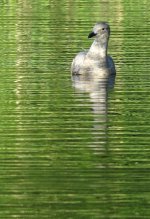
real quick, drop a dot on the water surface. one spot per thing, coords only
(67, 151)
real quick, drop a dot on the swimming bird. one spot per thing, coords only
(96, 58)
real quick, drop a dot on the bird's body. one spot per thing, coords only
(96, 57)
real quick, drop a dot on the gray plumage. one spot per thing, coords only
(96, 58)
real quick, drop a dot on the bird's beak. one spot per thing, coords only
(91, 34)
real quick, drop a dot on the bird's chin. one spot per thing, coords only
(105, 36)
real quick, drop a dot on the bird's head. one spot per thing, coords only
(101, 31)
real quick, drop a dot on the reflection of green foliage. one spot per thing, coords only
(53, 163)
(130, 98)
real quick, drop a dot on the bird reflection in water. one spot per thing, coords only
(97, 86)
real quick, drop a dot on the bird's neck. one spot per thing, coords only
(98, 50)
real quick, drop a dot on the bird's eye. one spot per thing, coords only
(103, 28)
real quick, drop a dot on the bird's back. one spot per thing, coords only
(77, 62)
(111, 65)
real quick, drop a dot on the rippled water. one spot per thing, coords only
(68, 151)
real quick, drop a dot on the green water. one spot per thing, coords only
(63, 153)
